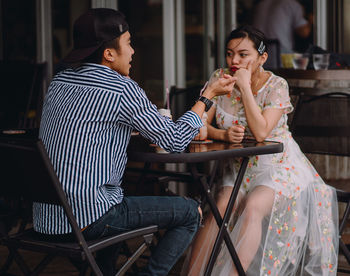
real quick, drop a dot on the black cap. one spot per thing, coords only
(92, 29)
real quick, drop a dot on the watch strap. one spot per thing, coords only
(208, 103)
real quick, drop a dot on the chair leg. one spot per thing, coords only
(147, 241)
(6, 265)
(19, 260)
(345, 198)
(127, 253)
(83, 269)
(45, 261)
(80, 265)
(106, 259)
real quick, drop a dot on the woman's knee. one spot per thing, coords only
(259, 202)
(253, 211)
(223, 198)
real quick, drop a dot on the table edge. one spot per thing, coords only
(198, 157)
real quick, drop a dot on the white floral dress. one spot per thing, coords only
(301, 233)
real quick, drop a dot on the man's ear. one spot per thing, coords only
(109, 55)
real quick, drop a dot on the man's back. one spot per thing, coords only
(278, 19)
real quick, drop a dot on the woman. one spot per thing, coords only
(285, 214)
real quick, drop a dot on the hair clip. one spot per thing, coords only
(120, 28)
(261, 48)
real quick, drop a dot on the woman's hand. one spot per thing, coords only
(235, 134)
(203, 133)
(219, 87)
(244, 76)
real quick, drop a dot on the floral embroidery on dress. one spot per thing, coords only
(304, 210)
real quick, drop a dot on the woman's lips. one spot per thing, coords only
(234, 69)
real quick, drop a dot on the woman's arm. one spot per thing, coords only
(214, 133)
(234, 134)
(260, 123)
(222, 86)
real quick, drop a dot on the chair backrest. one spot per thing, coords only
(321, 123)
(27, 173)
(21, 93)
(274, 51)
(182, 99)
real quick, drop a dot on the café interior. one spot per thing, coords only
(178, 45)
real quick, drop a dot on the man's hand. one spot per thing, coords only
(235, 134)
(219, 87)
(203, 133)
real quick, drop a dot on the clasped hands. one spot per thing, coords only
(235, 134)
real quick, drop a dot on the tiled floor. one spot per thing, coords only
(61, 266)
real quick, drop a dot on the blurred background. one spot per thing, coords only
(179, 42)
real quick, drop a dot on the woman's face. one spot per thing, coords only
(240, 51)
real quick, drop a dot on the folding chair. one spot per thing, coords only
(182, 99)
(28, 174)
(21, 104)
(321, 126)
(274, 51)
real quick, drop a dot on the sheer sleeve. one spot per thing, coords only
(278, 96)
(215, 101)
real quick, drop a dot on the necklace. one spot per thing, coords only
(255, 85)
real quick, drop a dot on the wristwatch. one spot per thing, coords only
(208, 103)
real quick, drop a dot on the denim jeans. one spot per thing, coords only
(178, 215)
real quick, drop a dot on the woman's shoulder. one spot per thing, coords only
(278, 81)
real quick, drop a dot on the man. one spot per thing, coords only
(282, 20)
(88, 116)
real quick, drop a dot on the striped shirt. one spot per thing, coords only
(87, 120)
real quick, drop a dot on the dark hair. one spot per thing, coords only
(91, 30)
(256, 36)
(96, 57)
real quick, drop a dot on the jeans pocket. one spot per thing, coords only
(112, 230)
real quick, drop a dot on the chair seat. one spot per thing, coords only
(25, 164)
(343, 196)
(320, 125)
(31, 240)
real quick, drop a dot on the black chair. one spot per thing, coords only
(28, 175)
(274, 51)
(22, 93)
(182, 99)
(321, 125)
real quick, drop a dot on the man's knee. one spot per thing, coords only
(195, 214)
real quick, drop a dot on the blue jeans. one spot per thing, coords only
(178, 215)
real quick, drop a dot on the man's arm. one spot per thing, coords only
(303, 31)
